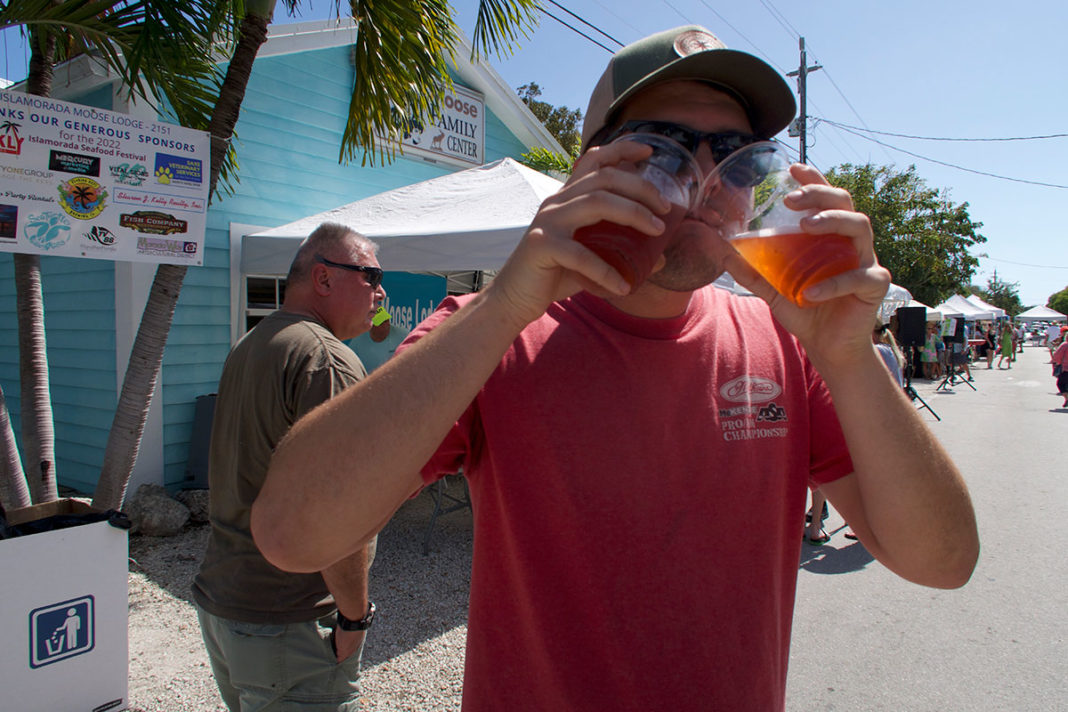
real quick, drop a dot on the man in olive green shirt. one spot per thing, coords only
(277, 639)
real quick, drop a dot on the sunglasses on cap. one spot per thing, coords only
(373, 274)
(720, 144)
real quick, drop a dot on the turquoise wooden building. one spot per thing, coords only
(288, 140)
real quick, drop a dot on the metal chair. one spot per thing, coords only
(444, 503)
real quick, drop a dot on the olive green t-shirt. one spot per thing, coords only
(283, 368)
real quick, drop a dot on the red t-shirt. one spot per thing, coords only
(638, 489)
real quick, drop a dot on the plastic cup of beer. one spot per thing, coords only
(675, 173)
(750, 185)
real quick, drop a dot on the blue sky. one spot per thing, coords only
(949, 69)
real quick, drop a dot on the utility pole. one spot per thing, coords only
(802, 119)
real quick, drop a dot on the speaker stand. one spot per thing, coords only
(910, 391)
(951, 380)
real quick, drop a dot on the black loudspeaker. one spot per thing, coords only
(911, 325)
(957, 337)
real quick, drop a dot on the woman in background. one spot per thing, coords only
(1006, 344)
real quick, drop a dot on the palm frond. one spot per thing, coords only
(401, 57)
(162, 51)
(500, 24)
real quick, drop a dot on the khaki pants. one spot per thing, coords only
(280, 667)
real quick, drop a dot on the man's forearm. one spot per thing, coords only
(347, 582)
(343, 470)
(907, 500)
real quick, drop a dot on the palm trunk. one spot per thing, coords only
(13, 490)
(146, 355)
(38, 434)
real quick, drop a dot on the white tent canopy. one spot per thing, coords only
(468, 220)
(959, 307)
(931, 313)
(896, 297)
(998, 312)
(1041, 314)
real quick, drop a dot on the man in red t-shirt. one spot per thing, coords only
(616, 439)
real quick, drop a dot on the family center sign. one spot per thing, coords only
(77, 181)
(457, 134)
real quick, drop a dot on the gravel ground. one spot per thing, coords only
(413, 659)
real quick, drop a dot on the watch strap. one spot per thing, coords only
(363, 624)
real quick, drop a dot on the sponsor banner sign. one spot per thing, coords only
(78, 181)
(458, 135)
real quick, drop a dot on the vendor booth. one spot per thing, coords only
(959, 307)
(465, 221)
(998, 312)
(1041, 314)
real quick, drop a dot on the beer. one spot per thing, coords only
(792, 261)
(631, 253)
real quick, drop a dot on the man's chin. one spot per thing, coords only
(694, 258)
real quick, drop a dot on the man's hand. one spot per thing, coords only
(548, 264)
(840, 323)
(347, 642)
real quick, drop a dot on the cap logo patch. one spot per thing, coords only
(694, 41)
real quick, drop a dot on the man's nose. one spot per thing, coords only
(704, 159)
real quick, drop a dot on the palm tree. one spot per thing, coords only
(401, 56)
(160, 53)
(14, 492)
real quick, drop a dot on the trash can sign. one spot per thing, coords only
(61, 631)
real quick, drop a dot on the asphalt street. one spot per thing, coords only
(866, 640)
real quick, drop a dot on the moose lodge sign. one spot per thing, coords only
(78, 181)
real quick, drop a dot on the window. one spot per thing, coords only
(262, 296)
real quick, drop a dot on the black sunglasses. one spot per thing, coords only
(721, 144)
(373, 274)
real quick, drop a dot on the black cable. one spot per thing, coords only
(943, 138)
(780, 18)
(1022, 264)
(578, 31)
(949, 165)
(592, 27)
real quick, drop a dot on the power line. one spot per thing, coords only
(780, 18)
(739, 33)
(1021, 264)
(591, 26)
(944, 138)
(950, 165)
(610, 11)
(578, 31)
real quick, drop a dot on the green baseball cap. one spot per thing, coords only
(691, 52)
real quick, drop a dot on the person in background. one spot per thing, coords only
(1060, 370)
(1053, 333)
(1006, 353)
(943, 363)
(886, 344)
(279, 640)
(990, 345)
(378, 345)
(815, 534)
(601, 427)
(929, 352)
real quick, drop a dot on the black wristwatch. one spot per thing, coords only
(363, 624)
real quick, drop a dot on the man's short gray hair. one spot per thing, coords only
(325, 240)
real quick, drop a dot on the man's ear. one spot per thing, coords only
(321, 279)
